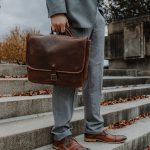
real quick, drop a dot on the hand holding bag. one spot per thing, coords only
(57, 59)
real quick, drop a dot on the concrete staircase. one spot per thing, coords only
(25, 121)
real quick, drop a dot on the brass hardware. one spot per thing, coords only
(53, 77)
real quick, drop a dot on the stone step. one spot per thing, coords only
(28, 105)
(138, 138)
(110, 81)
(33, 131)
(12, 69)
(123, 92)
(24, 105)
(15, 69)
(12, 85)
(120, 72)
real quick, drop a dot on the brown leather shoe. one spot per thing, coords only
(104, 137)
(68, 143)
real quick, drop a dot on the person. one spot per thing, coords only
(84, 18)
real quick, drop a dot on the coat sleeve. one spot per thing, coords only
(55, 7)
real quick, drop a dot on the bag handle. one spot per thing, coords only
(67, 32)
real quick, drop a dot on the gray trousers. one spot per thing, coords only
(63, 97)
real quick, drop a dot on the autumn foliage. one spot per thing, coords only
(125, 123)
(13, 47)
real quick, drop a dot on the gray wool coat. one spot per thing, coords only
(80, 13)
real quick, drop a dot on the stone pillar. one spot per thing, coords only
(128, 44)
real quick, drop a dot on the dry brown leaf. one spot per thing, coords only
(14, 76)
(121, 100)
(125, 123)
(32, 93)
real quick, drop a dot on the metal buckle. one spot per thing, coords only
(53, 77)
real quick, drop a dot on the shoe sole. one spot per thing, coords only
(56, 148)
(97, 140)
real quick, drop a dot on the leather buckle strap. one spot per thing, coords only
(54, 77)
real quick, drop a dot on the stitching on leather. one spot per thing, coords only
(30, 67)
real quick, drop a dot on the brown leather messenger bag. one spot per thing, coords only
(57, 59)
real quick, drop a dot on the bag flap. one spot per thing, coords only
(56, 52)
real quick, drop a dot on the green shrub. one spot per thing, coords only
(123, 9)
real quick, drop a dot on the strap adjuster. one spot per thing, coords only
(53, 77)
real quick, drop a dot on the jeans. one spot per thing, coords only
(63, 97)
